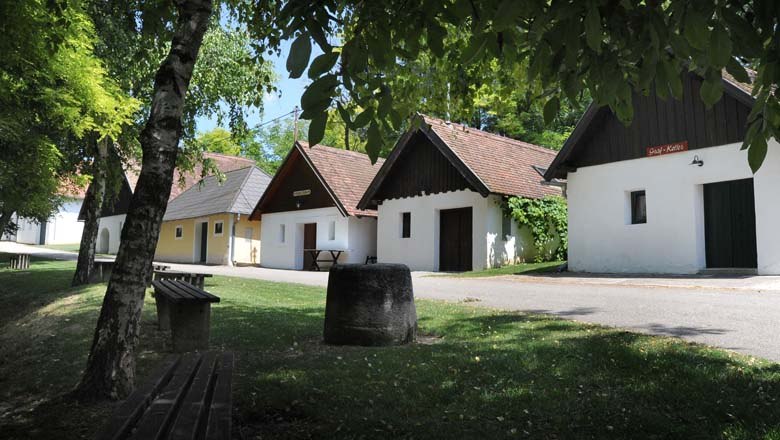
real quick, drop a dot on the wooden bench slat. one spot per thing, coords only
(220, 422)
(200, 293)
(177, 290)
(193, 412)
(158, 417)
(125, 417)
(163, 287)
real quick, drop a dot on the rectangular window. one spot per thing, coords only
(638, 207)
(406, 225)
(506, 226)
(332, 230)
(281, 233)
(179, 232)
(218, 228)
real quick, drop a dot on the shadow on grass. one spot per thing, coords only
(490, 375)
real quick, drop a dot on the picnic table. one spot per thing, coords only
(196, 279)
(19, 261)
(188, 397)
(315, 257)
(185, 310)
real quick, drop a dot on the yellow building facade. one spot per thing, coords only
(209, 223)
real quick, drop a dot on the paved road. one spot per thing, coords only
(741, 314)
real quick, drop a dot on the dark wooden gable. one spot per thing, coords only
(421, 167)
(294, 175)
(659, 122)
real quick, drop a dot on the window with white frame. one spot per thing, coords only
(179, 233)
(332, 230)
(218, 227)
(281, 233)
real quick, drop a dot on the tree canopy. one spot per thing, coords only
(604, 48)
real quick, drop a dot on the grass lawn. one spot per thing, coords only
(510, 269)
(479, 373)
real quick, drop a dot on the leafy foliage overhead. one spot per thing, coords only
(603, 47)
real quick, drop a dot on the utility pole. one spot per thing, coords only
(295, 124)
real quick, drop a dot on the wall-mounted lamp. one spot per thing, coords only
(298, 204)
(697, 161)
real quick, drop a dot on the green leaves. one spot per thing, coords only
(300, 52)
(317, 128)
(711, 89)
(737, 70)
(475, 49)
(757, 152)
(719, 49)
(317, 96)
(593, 31)
(551, 109)
(374, 144)
(696, 30)
(322, 64)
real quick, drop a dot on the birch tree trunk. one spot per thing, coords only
(110, 367)
(93, 202)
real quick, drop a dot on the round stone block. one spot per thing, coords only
(370, 305)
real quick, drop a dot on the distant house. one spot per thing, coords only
(311, 203)
(112, 216)
(62, 228)
(672, 192)
(209, 222)
(438, 197)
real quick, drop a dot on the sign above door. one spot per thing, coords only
(660, 150)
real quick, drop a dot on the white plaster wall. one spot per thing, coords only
(421, 250)
(113, 224)
(289, 254)
(65, 227)
(601, 238)
(28, 231)
(362, 239)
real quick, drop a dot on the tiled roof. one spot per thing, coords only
(504, 165)
(238, 194)
(347, 173)
(224, 163)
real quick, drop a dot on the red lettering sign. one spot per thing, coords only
(660, 150)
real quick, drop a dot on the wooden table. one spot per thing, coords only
(315, 257)
(196, 279)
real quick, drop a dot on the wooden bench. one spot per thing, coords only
(189, 397)
(19, 261)
(185, 311)
(315, 257)
(196, 279)
(102, 271)
(370, 260)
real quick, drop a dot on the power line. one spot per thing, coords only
(275, 119)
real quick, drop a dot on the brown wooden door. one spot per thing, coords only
(309, 242)
(455, 238)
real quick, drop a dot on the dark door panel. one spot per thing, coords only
(204, 238)
(730, 224)
(309, 242)
(455, 240)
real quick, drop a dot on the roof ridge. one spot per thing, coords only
(240, 188)
(334, 149)
(478, 132)
(211, 153)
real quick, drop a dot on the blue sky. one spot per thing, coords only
(278, 103)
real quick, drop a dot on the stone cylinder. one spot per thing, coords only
(370, 305)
